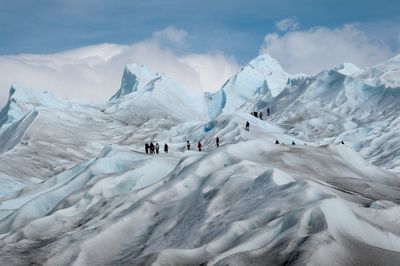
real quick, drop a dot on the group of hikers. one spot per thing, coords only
(256, 114)
(293, 143)
(260, 114)
(154, 148)
(200, 145)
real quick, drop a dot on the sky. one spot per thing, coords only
(79, 48)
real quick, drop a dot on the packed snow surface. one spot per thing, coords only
(77, 187)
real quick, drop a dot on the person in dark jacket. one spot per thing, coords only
(268, 112)
(151, 148)
(217, 141)
(165, 148)
(199, 145)
(157, 148)
(293, 143)
(247, 126)
(188, 145)
(276, 141)
(146, 147)
(260, 115)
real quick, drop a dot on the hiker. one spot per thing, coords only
(165, 148)
(146, 147)
(217, 141)
(268, 112)
(199, 145)
(342, 142)
(255, 114)
(260, 115)
(188, 145)
(157, 148)
(276, 141)
(247, 126)
(293, 143)
(151, 148)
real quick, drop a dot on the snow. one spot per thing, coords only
(77, 187)
(262, 75)
(348, 69)
(135, 77)
(385, 73)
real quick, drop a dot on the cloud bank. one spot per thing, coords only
(94, 72)
(320, 48)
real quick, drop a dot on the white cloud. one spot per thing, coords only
(94, 72)
(288, 24)
(321, 48)
(171, 35)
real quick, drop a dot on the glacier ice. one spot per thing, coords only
(78, 189)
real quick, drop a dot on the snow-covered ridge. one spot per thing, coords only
(386, 73)
(80, 190)
(43, 98)
(348, 69)
(22, 100)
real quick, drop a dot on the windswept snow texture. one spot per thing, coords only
(77, 187)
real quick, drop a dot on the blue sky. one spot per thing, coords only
(234, 27)
(79, 48)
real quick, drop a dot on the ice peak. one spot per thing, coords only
(266, 63)
(141, 71)
(271, 71)
(348, 69)
(135, 77)
(260, 77)
(263, 57)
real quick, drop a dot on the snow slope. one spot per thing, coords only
(233, 205)
(78, 189)
(333, 107)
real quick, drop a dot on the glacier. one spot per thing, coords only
(77, 187)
